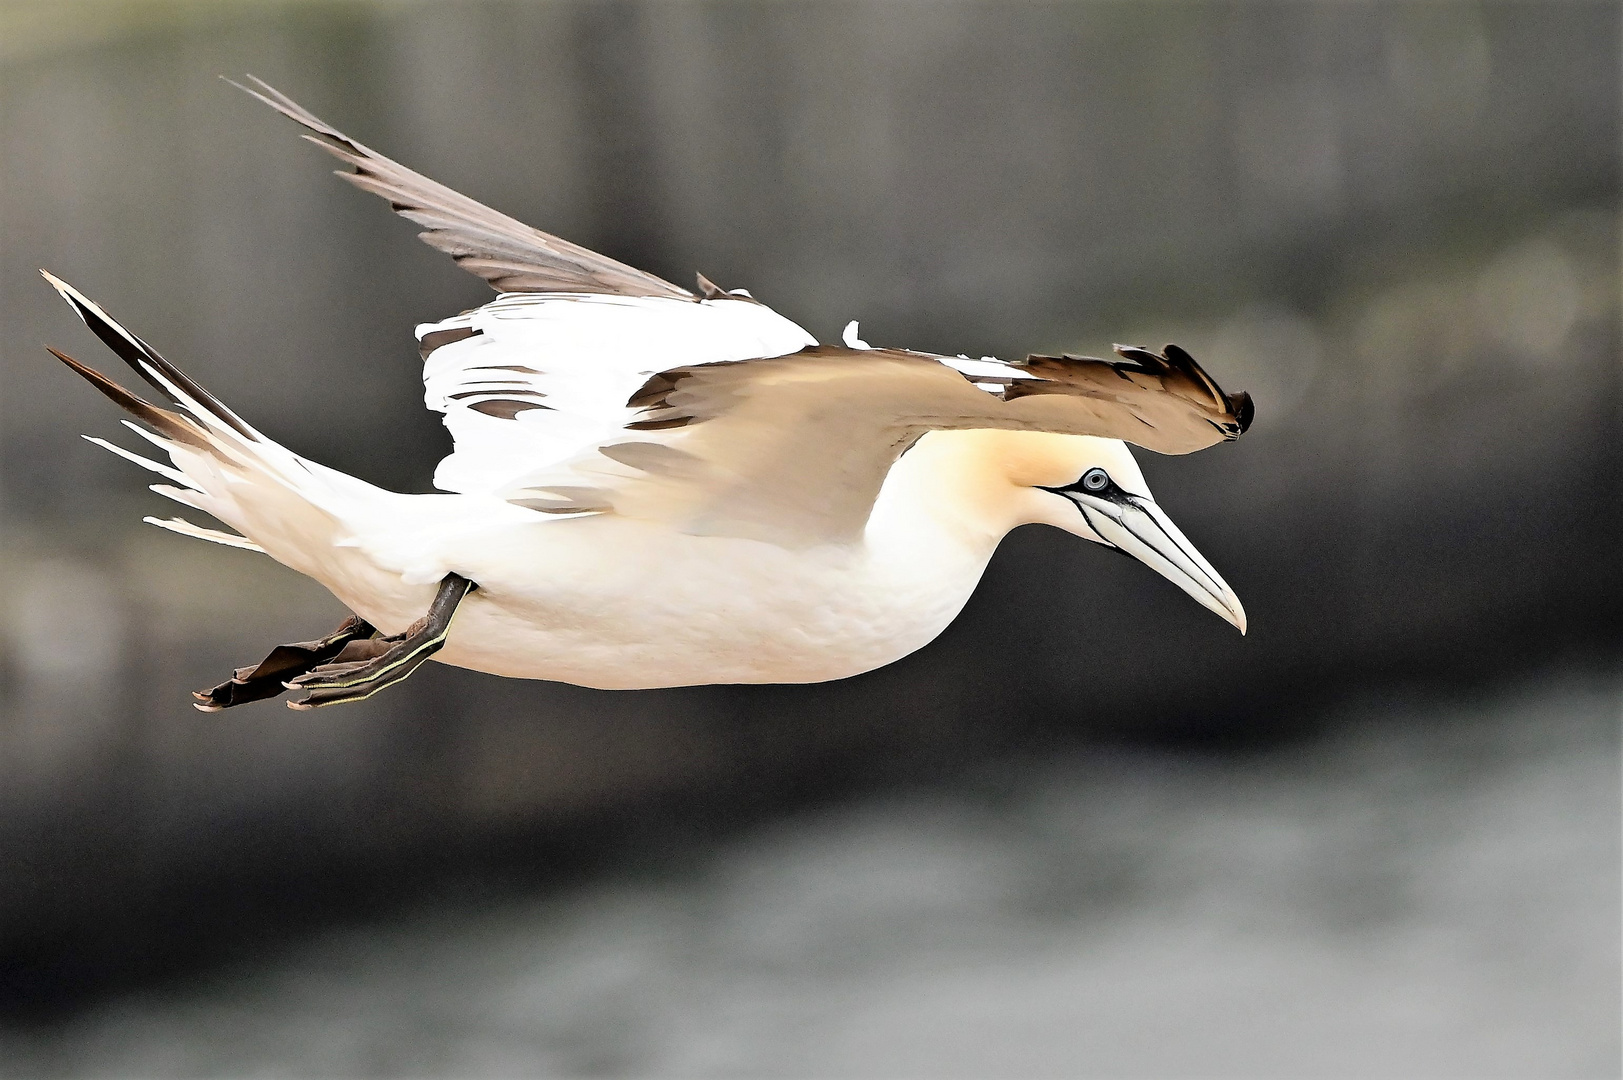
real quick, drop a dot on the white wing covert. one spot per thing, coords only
(532, 381)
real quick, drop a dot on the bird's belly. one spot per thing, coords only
(709, 611)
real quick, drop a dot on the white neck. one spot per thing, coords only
(941, 503)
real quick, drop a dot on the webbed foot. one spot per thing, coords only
(362, 668)
(269, 678)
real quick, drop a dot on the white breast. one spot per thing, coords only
(617, 604)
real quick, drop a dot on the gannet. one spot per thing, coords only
(655, 487)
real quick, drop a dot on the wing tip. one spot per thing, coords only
(1175, 358)
(1244, 410)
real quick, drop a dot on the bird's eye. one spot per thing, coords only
(1095, 480)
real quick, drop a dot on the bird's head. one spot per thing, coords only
(1093, 488)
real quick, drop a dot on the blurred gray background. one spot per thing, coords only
(1089, 832)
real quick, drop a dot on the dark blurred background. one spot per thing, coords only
(1090, 831)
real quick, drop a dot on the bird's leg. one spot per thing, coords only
(363, 668)
(284, 662)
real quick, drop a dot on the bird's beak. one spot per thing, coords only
(1138, 527)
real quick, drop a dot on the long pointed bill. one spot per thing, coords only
(1139, 527)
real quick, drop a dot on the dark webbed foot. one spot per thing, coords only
(362, 668)
(284, 662)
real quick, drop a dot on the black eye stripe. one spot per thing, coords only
(1095, 482)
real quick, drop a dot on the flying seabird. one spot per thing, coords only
(655, 487)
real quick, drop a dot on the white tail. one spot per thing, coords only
(282, 504)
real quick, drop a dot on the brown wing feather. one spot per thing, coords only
(1191, 396)
(1162, 402)
(508, 254)
(793, 449)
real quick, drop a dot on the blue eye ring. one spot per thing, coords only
(1094, 481)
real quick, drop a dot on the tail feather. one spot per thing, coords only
(213, 536)
(146, 463)
(372, 548)
(191, 496)
(171, 424)
(220, 464)
(147, 363)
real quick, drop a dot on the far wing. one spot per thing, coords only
(792, 449)
(530, 382)
(509, 254)
(591, 386)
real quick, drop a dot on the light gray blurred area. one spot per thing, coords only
(1431, 892)
(1089, 832)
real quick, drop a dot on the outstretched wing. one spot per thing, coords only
(531, 382)
(508, 254)
(543, 373)
(592, 387)
(792, 449)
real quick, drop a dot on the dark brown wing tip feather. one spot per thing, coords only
(324, 134)
(508, 254)
(1141, 356)
(1176, 359)
(1242, 408)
